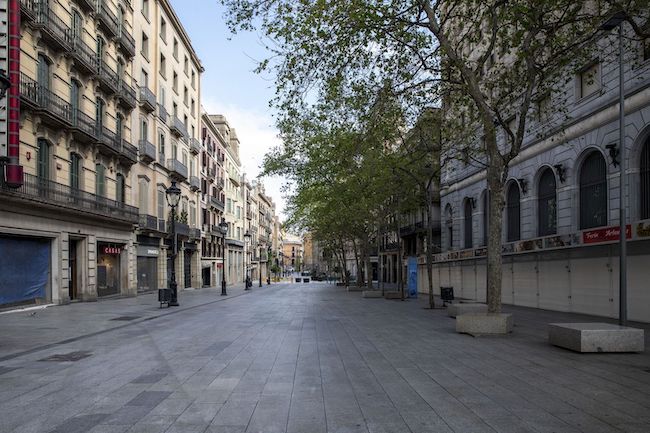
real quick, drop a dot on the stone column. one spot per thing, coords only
(61, 293)
(89, 292)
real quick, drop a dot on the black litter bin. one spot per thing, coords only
(298, 279)
(305, 280)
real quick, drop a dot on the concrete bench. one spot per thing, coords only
(596, 337)
(458, 308)
(484, 323)
(393, 295)
(355, 289)
(371, 294)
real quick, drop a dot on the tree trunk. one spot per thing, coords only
(432, 304)
(368, 266)
(356, 260)
(495, 179)
(345, 264)
(400, 283)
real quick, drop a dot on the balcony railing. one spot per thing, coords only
(195, 146)
(53, 29)
(88, 5)
(83, 126)
(107, 78)
(126, 94)
(178, 127)
(210, 172)
(177, 169)
(84, 57)
(55, 110)
(216, 202)
(220, 183)
(127, 43)
(195, 233)
(107, 19)
(181, 229)
(147, 99)
(214, 228)
(148, 222)
(27, 9)
(162, 114)
(116, 144)
(195, 183)
(147, 151)
(75, 200)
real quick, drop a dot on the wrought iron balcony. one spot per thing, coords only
(126, 95)
(108, 79)
(214, 228)
(84, 57)
(126, 43)
(63, 197)
(249, 214)
(180, 228)
(107, 19)
(220, 183)
(128, 152)
(27, 10)
(178, 127)
(53, 109)
(148, 223)
(210, 173)
(147, 151)
(177, 169)
(162, 114)
(147, 99)
(195, 183)
(195, 146)
(88, 5)
(53, 30)
(83, 127)
(113, 144)
(216, 203)
(195, 233)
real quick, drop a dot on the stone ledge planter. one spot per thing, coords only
(371, 294)
(596, 337)
(484, 323)
(459, 308)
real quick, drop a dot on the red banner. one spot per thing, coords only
(605, 234)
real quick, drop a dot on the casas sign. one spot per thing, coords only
(111, 250)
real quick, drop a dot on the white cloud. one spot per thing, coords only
(257, 135)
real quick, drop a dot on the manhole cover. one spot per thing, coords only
(126, 318)
(68, 357)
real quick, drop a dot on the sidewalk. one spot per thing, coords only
(29, 331)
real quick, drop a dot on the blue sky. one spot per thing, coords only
(229, 86)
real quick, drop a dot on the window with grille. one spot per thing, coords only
(468, 223)
(593, 192)
(546, 204)
(513, 208)
(645, 180)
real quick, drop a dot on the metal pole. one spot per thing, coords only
(259, 262)
(622, 316)
(173, 285)
(223, 264)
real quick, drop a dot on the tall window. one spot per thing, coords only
(144, 129)
(143, 196)
(43, 73)
(468, 223)
(546, 204)
(75, 98)
(145, 46)
(645, 180)
(163, 29)
(43, 162)
(449, 223)
(593, 191)
(163, 65)
(161, 203)
(513, 208)
(145, 8)
(99, 114)
(77, 25)
(120, 20)
(486, 212)
(100, 49)
(75, 171)
(119, 125)
(161, 146)
(100, 180)
(120, 187)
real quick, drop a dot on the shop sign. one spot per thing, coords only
(605, 235)
(112, 250)
(643, 230)
(145, 251)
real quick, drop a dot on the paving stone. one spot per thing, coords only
(149, 398)
(80, 424)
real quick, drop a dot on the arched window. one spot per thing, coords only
(486, 212)
(75, 171)
(100, 180)
(546, 204)
(513, 207)
(120, 187)
(645, 180)
(468, 223)
(77, 25)
(449, 223)
(75, 98)
(100, 111)
(100, 49)
(43, 72)
(593, 191)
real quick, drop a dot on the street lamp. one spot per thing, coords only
(260, 262)
(613, 22)
(173, 194)
(223, 227)
(268, 268)
(247, 239)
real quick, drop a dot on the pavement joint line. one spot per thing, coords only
(116, 328)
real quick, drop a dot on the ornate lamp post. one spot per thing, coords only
(223, 227)
(268, 268)
(259, 246)
(173, 194)
(247, 239)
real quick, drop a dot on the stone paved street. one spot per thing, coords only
(303, 358)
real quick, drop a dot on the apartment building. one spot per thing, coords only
(234, 205)
(66, 220)
(213, 156)
(166, 125)
(266, 212)
(292, 253)
(251, 228)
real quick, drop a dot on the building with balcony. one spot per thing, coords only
(234, 205)
(264, 219)
(213, 148)
(68, 221)
(166, 119)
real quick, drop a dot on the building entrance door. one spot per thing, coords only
(73, 283)
(187, 268)
(205, 276)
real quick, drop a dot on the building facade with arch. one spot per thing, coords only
(561, 214)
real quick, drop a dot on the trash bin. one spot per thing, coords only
(305, 280)
(298, 279)
(164, 296)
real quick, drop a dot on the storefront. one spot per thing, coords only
(24, 269)
(148, 253)
(109, 268)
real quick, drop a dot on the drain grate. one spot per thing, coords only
(68, 357)
(126, 318)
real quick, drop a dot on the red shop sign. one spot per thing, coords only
(112, 250)
(605, 235)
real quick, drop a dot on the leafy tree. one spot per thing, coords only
(490, 61)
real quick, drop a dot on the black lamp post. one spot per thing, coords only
(173, 194)
(259, 246)
(247, 240)
(268, 268)
(223, 227)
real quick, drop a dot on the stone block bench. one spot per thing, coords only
(596, 337)
(484, 323)
(393, 295)
(371, 294)
(355, 289)
(458, 308)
